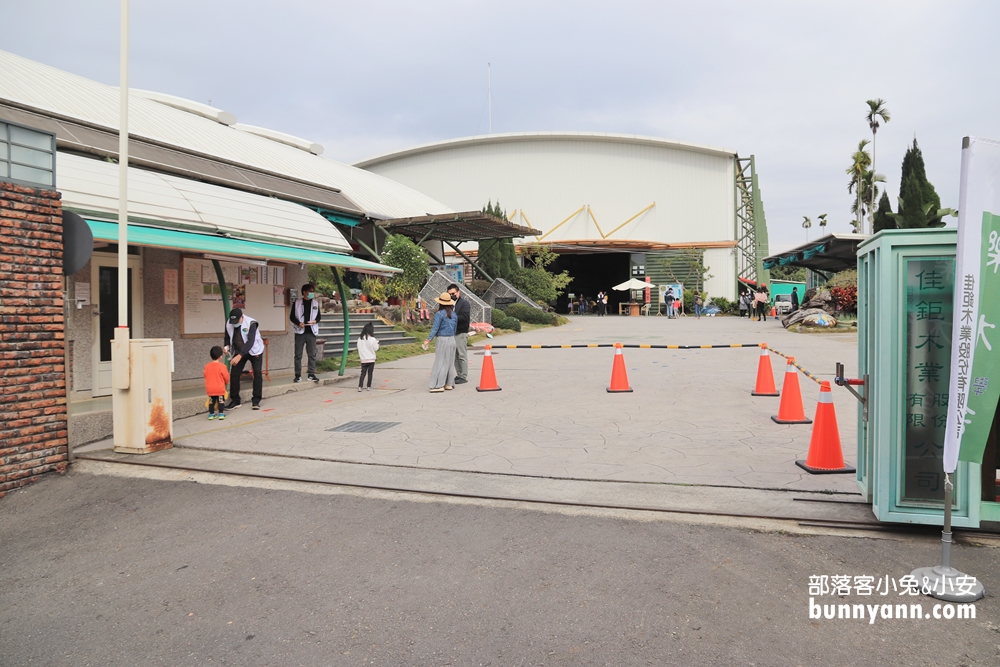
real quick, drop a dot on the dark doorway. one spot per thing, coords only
(593, 273)
(108, 300)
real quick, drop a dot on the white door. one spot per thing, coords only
(104, 295)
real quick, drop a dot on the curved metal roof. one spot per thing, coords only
(512, 137)
(41, 87)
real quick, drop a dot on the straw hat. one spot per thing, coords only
(445, 299)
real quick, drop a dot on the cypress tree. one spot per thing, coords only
(918, 200)
(882, 218)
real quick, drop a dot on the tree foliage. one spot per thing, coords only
(793, 273)
(497, 256)
(919, 204)
(883, 216)
(535, 280)
(402, 253)
(322, 277)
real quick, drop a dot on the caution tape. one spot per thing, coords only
(639, 346)
(804, 371)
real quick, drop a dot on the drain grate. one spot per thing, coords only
(363, 427)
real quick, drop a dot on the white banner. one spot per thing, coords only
(975, 351)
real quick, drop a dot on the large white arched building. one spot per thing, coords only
(595, 194)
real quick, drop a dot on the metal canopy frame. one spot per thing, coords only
(453, 229)
(751, 228)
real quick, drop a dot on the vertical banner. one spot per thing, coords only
(975, 352)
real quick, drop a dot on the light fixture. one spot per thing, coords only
(238, 260)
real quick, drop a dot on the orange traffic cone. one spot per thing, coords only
(790, 410)
(488, 379)
(619, 378)
(774, 311)
(825, 454)
(765, 376)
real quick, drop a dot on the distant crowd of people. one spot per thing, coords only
(756, 303)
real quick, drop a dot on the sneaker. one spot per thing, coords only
(314, 378)
(211, 416)
(448, 387)
(222, 416)
(437, 390)
(369, 388)
(297, 379)
(233, 405)
(360, 389)
(256, 407)
(460, 380)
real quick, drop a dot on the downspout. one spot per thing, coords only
(347, 320)
(225, 293)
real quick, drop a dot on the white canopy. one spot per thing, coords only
(632, 284)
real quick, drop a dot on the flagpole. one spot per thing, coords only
(123, 172)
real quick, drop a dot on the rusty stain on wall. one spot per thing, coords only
(158, 436)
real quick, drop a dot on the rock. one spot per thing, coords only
(820, 320)
(797, 316)
(823, 300)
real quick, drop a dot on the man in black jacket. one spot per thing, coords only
(463, 310)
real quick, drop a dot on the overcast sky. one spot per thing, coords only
(785, 81)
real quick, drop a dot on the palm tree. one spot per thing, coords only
(860, 163)
(822, 222)
(806, 224)
(876, 110)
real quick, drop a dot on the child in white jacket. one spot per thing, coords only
(367, 347)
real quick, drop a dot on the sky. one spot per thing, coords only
(784, 81)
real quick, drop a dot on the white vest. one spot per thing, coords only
(299, 307)
(258, 343)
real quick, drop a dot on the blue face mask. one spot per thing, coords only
(311, 295)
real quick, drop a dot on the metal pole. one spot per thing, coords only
(489, 92)
(347, 320)
(225, 293)
(943, 581)
(123, 172)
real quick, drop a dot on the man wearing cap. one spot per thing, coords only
(247, 345)
(463, 311)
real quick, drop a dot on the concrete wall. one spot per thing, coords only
(161, 320)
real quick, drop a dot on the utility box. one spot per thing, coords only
(143, 413)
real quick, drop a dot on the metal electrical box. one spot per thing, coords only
(143, 413)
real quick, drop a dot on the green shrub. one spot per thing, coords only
(511, 323)
(726, 306)
(526, 313)
(497, 317)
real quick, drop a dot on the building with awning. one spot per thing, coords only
(220, 213)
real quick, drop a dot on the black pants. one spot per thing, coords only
(257, 364)
(216, 402)
(369, 368)
(305, 340)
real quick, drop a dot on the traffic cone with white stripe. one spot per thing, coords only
(619, 378)
(790, 410)
(825, 456)
(765, 376)
(488, 378)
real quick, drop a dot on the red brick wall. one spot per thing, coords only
(32, 333)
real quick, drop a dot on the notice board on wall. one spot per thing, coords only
(252, 288)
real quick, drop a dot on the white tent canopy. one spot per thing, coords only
(632, 284)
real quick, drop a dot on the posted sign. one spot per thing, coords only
(975, 352)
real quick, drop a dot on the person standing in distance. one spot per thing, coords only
(245, 341)
(795, 298)
(463, 310)
(305, 317)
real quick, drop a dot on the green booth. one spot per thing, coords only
(906, 283)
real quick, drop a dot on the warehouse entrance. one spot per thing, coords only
(592, 273)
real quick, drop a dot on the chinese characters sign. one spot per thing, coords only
(975, 359)
(929, 293)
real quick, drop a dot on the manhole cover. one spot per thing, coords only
(363, 427)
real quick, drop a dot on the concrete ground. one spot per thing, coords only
(116, 565)
(690, 420)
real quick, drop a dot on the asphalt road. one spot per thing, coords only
(101, 570)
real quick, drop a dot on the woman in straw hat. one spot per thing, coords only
(445, 324)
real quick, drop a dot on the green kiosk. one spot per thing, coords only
(906, 283)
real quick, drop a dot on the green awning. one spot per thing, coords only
(220, 245)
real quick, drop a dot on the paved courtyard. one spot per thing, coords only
(690, 420)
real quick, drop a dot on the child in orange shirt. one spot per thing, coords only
(216, 381)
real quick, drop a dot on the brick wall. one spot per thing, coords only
(32, 333)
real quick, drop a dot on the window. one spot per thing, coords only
(27, 155)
